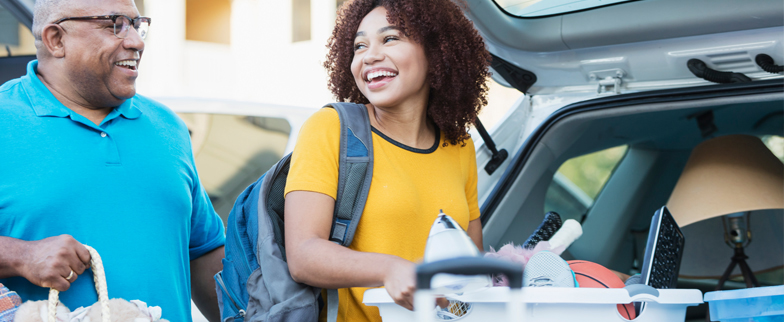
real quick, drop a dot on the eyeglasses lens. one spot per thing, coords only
(121, 26)
(143, 27)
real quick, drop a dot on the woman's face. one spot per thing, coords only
(388, 67)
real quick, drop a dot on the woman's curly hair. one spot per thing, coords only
(457, 58)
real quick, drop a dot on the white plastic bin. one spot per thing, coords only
(551, 304)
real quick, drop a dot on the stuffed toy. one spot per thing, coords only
(38, 311)
(105, 310)
(121, 311)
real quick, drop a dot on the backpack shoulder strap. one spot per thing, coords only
(355, 170)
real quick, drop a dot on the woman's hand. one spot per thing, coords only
(400, 282)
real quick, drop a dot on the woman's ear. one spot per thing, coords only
(52, 37)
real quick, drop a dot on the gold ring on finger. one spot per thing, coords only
(70, 275)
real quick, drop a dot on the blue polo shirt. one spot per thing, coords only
(127, 187)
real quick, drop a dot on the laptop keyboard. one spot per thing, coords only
(667, 255)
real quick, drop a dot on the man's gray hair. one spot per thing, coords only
(44, 13)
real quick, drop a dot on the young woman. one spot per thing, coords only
(420, 68)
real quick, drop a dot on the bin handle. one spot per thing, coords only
(636, 289)
(469, 266)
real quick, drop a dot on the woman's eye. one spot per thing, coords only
(389, 38)
(358, 46)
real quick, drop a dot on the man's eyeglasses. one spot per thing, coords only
(122, 24)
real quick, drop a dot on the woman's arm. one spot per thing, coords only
(316, 261)
(475, 232)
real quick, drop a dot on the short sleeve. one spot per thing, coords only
(314, 163)
(468, 154)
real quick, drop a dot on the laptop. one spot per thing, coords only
(663, 252)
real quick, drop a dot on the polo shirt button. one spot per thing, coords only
(103, 134)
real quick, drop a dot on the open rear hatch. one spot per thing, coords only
(562, 52)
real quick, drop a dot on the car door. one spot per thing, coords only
(17, 46)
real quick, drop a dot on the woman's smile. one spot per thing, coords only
(378, 77)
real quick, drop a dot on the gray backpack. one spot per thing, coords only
(255, 284)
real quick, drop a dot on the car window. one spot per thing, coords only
(233, 151)
(776, 145)
(579, 180)
(15, 38)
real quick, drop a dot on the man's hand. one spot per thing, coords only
(53, 262)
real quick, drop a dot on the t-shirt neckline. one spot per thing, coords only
(408, 148)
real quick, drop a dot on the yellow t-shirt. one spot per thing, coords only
(409, 187)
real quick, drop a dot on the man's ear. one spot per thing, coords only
(52, 38)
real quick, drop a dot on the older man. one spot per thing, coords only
(84, 160)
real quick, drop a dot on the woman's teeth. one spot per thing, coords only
(373, 75)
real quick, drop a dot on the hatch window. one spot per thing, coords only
(579, 180)
(541, 8)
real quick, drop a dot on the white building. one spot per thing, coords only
(267, 51)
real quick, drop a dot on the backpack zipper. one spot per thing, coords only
(240, 309)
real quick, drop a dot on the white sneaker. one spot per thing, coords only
(548, 269)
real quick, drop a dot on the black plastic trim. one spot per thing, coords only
(767, 64)
(498, 157)
(661, 96)
(408, 148)
(517, 77)
(701, 70)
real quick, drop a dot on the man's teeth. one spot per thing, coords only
(373, 75)
(129, 63)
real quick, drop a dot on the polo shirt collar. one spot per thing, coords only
(45, 104)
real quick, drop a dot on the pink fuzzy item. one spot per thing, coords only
(517, 254)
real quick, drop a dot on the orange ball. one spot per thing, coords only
(589, 274)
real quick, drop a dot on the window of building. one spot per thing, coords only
(140, 6)
(208, 21)
(339, 3)
(300, 20)
(579, 180)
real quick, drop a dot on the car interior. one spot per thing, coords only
(659, 138)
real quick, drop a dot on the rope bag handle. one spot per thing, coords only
(100, 286)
